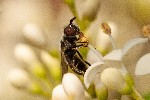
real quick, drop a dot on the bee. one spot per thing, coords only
(70, 56)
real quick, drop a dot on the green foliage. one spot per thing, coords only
(147, 96)
(55, 53)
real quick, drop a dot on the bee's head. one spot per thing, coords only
(71, 29)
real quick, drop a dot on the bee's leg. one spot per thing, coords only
(82, 58)
(82, 44)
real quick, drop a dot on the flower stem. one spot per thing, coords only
(112, 42)
(96, 52)
(135, 94)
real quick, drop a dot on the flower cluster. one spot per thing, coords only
(70, 89)
(111, 70)
(40, 71)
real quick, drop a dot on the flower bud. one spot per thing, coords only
(34, 34)
(19, 78)
(58, 93)
(25, 54)
(113, 79)
(73, 87)
(91, 8)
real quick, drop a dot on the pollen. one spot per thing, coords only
(146, 31)
(106, 28)
(84, 40)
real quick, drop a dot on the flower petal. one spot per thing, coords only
(92, 57)
(132, 43)
(143, 65)
(25, 53)
(115, 55)
(91, 72)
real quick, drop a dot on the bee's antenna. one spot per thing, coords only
(72, 20)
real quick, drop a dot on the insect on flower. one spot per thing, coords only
(70, 56)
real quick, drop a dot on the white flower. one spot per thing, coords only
(113, 59)
(58, 93)
(113, 79)
(143, 65)
(73, 87)
(70, 89)
(91, 8)
(19, 78)
(34, 34)
(25, 54)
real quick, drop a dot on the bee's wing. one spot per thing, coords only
(64, 65)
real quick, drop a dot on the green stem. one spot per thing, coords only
(102, 93)
(45, 94)
(135, 94)
(48, 84)
(38, 92)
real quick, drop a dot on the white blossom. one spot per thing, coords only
(19, 78)
(34, 34)
(24, 53)
(113, 79)
(58, 93)
(113, 59)
(91, 8)
(143, 65)
(73, 87)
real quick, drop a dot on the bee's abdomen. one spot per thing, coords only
(77, 65)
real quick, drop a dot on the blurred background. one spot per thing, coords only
(128, 18)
